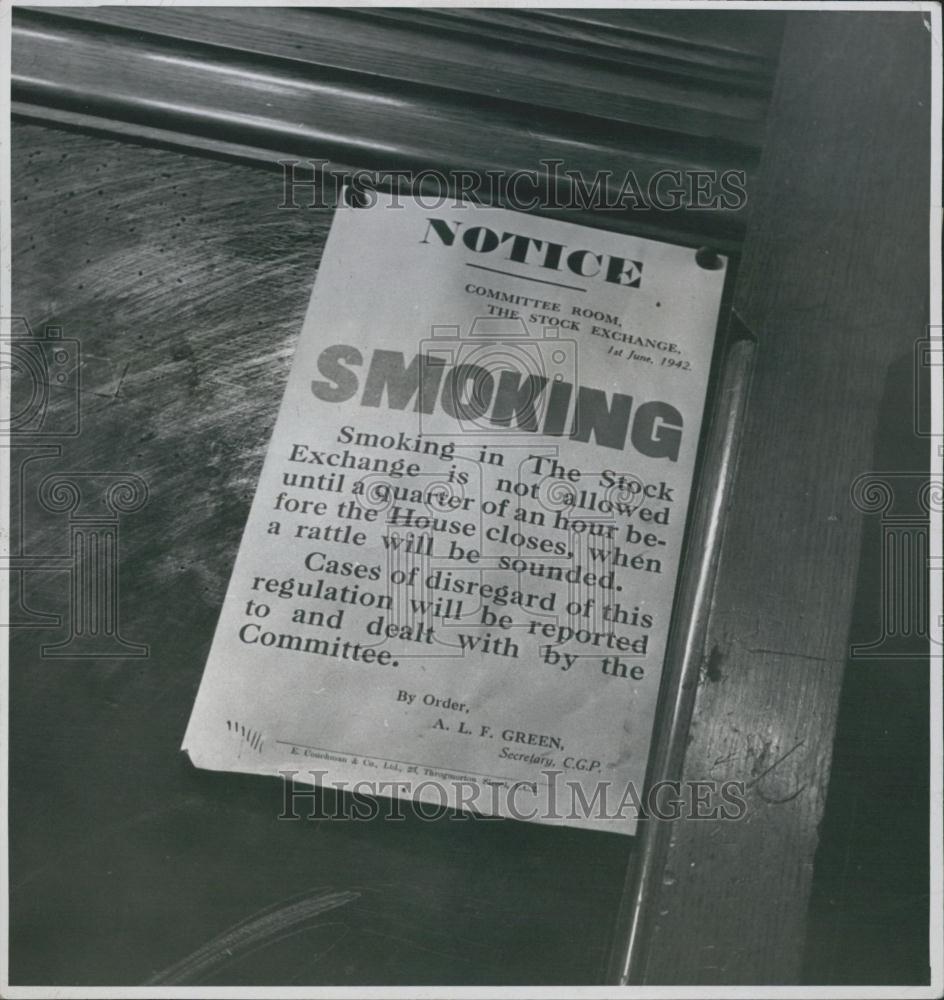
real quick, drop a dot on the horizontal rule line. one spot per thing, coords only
(524, 277)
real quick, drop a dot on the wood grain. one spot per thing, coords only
(606, 76)
(833, 284)
(415, 89)
(186, 286)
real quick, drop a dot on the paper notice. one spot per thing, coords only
(457, 576)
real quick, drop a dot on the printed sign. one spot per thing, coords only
(457, 576)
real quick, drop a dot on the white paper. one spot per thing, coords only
(481, 623)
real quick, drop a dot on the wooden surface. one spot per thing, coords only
(186, 286)
(419, 88)
(833, 284)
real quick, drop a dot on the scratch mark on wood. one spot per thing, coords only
(263, 927)
(780, 801)
(794, 656)
(776, 763)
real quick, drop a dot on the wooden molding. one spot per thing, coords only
(414, 88)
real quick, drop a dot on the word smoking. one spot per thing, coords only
(506, 398)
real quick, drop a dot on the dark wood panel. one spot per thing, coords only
(746, 34)
(680, 44)
(186, 286)
(833, 283)
(270, 85)
(390, 47)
